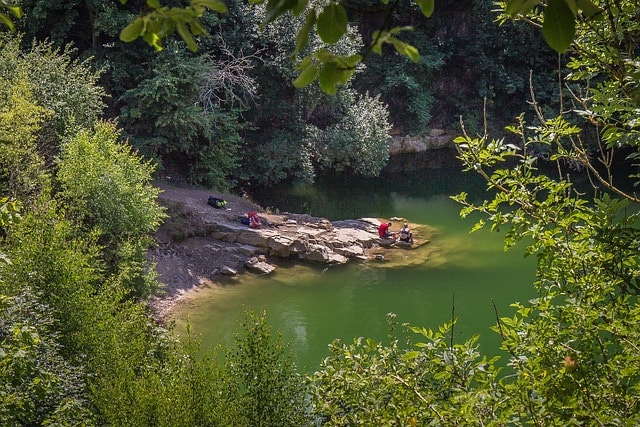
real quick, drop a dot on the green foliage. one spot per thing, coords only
(162, 21)
(107, 185)
(14, 12)
(183, 385)
(22, 170)
(108, 189)
(61, 269)
(167, 119)
(63, 88)
(433, 382)
(267, 389)
(572, 347)
(302, 133)
(39, 386)
(358, 141)
(558, 18)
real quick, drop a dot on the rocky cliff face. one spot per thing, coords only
(412, 153)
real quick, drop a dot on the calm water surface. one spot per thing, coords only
(312, 305)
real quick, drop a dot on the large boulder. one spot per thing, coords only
(322, 254)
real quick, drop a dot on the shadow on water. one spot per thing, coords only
(312, 305)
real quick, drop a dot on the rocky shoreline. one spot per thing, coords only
(198, 243)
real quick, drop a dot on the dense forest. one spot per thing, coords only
(228, 114)
(87, 121)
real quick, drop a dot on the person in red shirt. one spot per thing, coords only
(383, 230)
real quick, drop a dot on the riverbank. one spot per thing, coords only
(198, 243)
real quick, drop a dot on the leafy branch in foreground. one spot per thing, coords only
(160, 21)
(10, 10)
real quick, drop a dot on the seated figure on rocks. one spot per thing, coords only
(406, 235)
(384, 232)
(254, 220)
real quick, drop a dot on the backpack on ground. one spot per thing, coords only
(216, 202)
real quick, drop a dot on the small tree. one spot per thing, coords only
(265, 386)
(108, 189)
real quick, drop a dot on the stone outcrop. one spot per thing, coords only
(437, 139)
(301, 237)
(415, 153)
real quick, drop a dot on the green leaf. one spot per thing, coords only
(378, 38)
(348, 62)
(426, 6)
(328, 78)
(186, 36)
(6, 21)
(276, 8)
(332, 23)
(405, 49)
(133, 30)
(196, 28)
(410, 355)
(307, 76)
(519, 7)
(153, 40)
(16, 11)
(588, 8)
(215, 5)
(300, 7)
(154, 4)
(559, 25)
(303, 35)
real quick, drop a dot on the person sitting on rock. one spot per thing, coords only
(254, 220)
(406, 235)
(383, 231)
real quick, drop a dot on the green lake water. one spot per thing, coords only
(312, 305)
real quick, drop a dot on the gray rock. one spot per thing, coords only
(228, 271)
(261, 267)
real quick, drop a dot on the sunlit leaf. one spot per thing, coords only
(519, 7)
(6, 21)
(332, 23)
(426, 6)
(411, 355)
(588, 8)
(153, 40)
(307, 76)
(154, 4)
(214, 5)
(16, 11)
(406, 49)
(559, 25)
(133, 30)
(328, 78)
(378, 37)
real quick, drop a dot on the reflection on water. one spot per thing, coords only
(312, 305)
